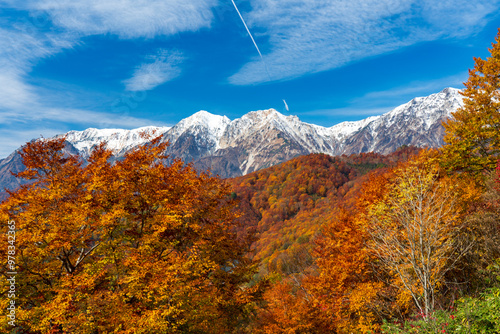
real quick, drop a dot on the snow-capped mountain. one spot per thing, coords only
(416, 123)
(263, 138)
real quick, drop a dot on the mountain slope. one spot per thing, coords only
(416, 123)
(119, 141)
(197, 136)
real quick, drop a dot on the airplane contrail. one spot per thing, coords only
(286, 105)
(253, 40)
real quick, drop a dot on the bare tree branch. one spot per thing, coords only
(413, 232)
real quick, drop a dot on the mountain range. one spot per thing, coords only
(264, 138)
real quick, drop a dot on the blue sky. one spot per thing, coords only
(71, 64)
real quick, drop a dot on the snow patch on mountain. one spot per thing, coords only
(346, 129)
(215, 123)
(266, 137)
(428, 109)
(117, 140)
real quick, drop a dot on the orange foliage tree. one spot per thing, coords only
(289, 309)
(473, 133)
(346, 288)
(134, 247)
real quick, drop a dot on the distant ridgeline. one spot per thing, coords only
(265, 138)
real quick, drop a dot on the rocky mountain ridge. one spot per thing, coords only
(263, 138)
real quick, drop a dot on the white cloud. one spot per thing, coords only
(162, 67)
(22, 46)
(56, 25)
(26, 113)
(125, 18)
(14, 93)
(458, 18)
(20, 101)
(313, 36)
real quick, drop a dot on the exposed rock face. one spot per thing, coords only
(263, 138)
(196, 137)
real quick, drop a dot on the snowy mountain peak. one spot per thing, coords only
(451, 90)
(206, 118)
(266, 137)
(204, 127)
(427, 104)
(261, 115)
(214, 123)
(267, 117)
(216, 132)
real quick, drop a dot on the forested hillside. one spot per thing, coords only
(286, 205)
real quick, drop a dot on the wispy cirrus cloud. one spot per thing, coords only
(312, 36)
(63, 23)
(75, 116)
(159, 68)
(125, 18)
(24, 109)
(20, 49)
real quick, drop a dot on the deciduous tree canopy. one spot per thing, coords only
(134, 247)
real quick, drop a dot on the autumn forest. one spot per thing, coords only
(402, 243)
